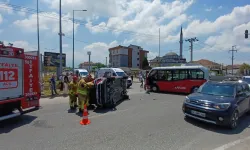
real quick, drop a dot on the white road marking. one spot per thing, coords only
(231, 144)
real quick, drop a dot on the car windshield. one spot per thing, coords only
(83, 73)
(121, 74)
(217, 89)
(246, 80)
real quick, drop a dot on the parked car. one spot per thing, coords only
(220, 103)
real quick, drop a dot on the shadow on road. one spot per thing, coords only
(243, 124)
(8, 125)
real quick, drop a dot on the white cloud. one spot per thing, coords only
(65, 45)
(22, 44)
(5, 8)
(47, 21)
(208, 9)
(99, 52)
(145, 18)
(22, 12)
(220, 7)
(152, 55)
(238, 16)
(105, 8)
(1, 19)
(225, 40)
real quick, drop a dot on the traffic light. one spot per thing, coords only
(246, 34)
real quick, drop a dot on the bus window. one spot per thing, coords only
(176, 75)
(200, 74)
(153, 75)
(183, 74)
(164, 75)
(196, 74)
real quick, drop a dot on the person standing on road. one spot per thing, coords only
(53, 85)
(82, 94)
(61, 82)
(90, 85)
(141, 79)
(66, 82)
(73, 93)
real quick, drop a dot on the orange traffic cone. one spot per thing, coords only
(85, 120)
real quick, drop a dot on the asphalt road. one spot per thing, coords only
(145, 122)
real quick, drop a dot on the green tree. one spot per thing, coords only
(243, 67)
(145, 63)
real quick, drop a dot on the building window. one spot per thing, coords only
(138, 53)
(137, 58)
(138, 65)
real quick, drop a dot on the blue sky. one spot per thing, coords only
(218, 24)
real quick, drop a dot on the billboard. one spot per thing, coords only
(53, 59)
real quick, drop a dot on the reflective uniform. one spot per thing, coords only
(83, 91)
(73, 94)
(82, 94)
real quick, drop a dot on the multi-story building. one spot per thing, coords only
(123, 56)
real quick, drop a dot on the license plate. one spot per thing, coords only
(198, 113)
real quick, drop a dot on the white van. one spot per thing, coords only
(81, 72)
(113, 72)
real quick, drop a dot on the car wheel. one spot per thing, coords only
(234, 120)
(154, 88)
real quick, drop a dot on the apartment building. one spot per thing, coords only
(127, 56)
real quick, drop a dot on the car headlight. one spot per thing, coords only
(221, 106)
(187, 100)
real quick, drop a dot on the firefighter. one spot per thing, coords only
(82, 94)
(73, 93)
(90, 85)
(84, 87)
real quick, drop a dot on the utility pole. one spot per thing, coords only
(191, 40)
(159, 46)
(60, 34)
(38, 39)
(233, 50)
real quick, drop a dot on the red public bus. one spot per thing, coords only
(179, 79)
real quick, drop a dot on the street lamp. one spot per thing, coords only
(89, 53)
(74, 37)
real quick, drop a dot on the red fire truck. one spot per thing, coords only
(19, 82)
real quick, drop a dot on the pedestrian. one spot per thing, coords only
(66, 82)
(53, 85)
(73, 93)
(141, 80)
(61, 82)
(71, 77)
(132, 77)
